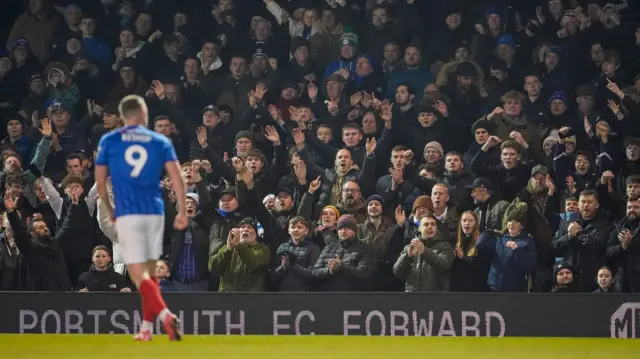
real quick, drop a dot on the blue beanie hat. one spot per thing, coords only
(558, 95)
(506, 39)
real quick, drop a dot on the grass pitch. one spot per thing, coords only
(123, 347)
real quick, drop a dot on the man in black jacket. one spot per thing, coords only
(583, 242)
(623, 248)
(457, 179)
(345, 266)
(43, 254)
(512, 175)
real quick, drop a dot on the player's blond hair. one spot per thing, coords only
(133, 110)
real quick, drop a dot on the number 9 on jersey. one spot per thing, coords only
(136, 156)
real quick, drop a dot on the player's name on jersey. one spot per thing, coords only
(135, 137)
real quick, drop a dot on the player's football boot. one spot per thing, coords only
(143, 336)
(172, 327)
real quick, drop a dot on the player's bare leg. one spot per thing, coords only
(152, 303)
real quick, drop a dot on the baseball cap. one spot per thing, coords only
(57, 105)
(481, 182)
(211, 108)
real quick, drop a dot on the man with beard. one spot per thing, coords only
(447, 217)
(511, 175)
(564, 281)
(582, 243)
(345, 266)
(623, 248)
(585, 97)
(243, 263)
(296, 256)
(543, 219)
(411, 74)
(42, 253)
(464, 95)
(457, 180)
(344, 170)
(351, 201)
(490, 210)
(376, 231)
(554, 75)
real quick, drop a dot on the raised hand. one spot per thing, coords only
(245, 176)
(294, 113)
(367, 99)
(9, 201)
(400, 216)
(442, 108)
(498, 111)
(272, 135)
(387, 111)
(613, 87)
(613, 106)
(550, 186)
(158, 89)
(300, 170)
(121, 54)
(202, 136)
(46, 129)
(259, 92)
(314, 186)
(237, 164)
(571, 184)
(312, 91)
(251, 96)
(371, 145)
(196, 165)
(517, 136)
(587, 126)
(206, 166)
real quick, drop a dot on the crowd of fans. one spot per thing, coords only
(338, 145)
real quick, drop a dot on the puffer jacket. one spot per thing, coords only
(295, 277)
(510, 268)
(241, 269)
(354, 273)
(428, 272)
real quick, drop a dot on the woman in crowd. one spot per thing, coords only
(470, 270)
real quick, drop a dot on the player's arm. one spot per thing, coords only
(101, 181)
(173, 170)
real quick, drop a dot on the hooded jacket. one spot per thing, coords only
(510, 268)
(102, 281)
(429, 271)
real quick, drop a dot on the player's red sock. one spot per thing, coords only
(151, 297)
(147, 314)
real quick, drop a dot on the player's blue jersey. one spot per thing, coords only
(135, 157)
